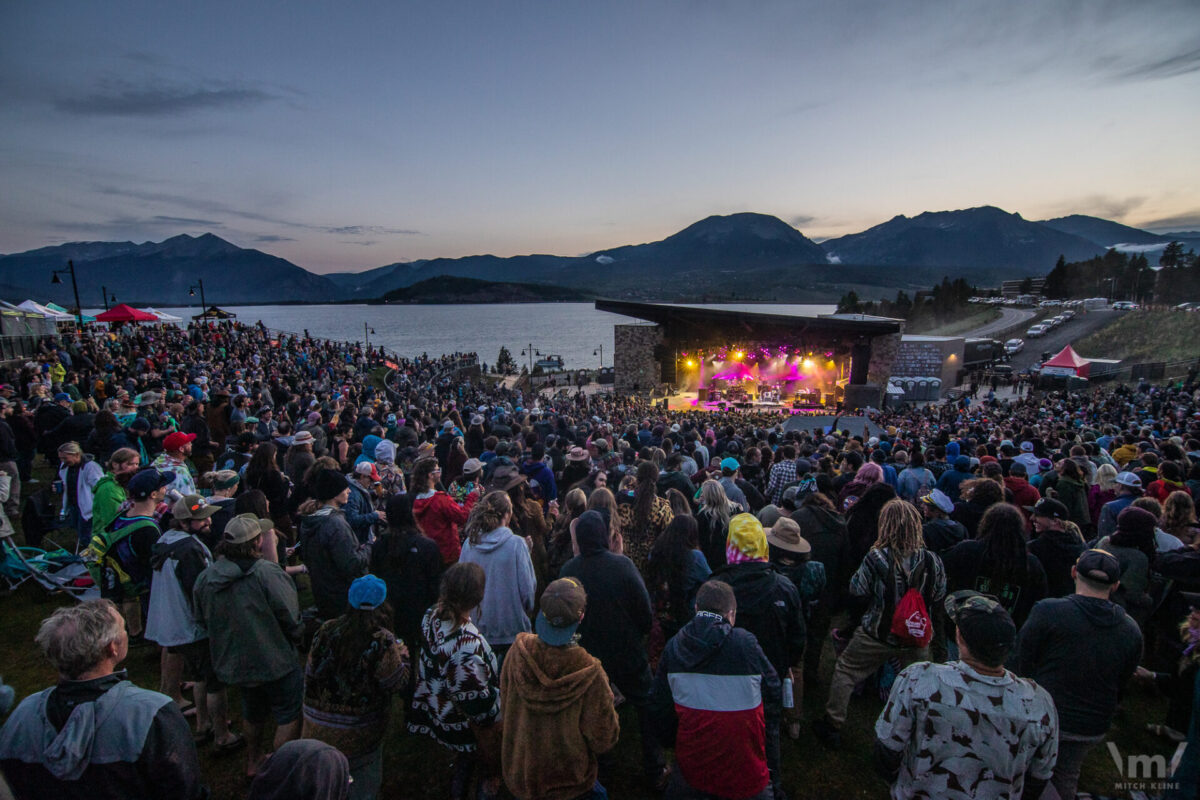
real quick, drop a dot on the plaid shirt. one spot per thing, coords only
(782, 474)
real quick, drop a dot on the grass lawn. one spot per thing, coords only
(416, 767)
(1146, 336)
(978, 316)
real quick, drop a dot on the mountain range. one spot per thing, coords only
(742, 256)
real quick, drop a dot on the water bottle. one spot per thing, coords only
(789, 700)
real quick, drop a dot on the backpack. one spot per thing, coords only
(909, 620)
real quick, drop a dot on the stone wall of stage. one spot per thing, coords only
(883, 354)
(636, 368)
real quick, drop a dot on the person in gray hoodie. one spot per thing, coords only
(508, 597)
(329, 548)
(247, 606)
(96, 736)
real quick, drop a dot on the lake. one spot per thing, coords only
(573, 330)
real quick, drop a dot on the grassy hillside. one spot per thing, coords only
(1146, 336)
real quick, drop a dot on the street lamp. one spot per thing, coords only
(529, 351)
(104, 296)
(192, 293)
(367, 331)
(54, 279)
(600, 352)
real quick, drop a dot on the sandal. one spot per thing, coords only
(203, 736)
(232, 746)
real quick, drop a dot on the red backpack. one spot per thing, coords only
(911, 624)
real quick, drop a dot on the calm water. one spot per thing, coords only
(573, 330)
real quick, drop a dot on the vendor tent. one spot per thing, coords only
(38, 308)
(56, 307)
(162, 315)
(212, 312)
(1067, 363)
(125, 313)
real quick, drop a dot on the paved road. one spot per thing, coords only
(1008, 317)
(1068, 333)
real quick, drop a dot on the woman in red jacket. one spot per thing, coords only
(437, 514)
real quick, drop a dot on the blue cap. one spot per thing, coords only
(61, 397)
(730, 464)
(367, 592)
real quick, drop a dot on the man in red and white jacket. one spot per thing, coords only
(712, 699)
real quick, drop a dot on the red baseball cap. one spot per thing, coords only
(176, 441)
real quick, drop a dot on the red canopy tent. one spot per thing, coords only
(125, 313)
(1067, 362)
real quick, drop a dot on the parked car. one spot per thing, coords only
(1014, 346)
(1124, 305)
(1036, 331)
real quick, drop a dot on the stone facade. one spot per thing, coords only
(633, 357)
(883, 355)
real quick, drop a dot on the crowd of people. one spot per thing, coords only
(517, 567)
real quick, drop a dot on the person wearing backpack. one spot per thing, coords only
(768, 606)
(900, 583)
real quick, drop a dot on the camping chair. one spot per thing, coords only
(55, 571)
(39, 517)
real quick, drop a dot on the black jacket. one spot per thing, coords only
(411, 566)
(618, 614)
(768, 605)
(334, 559)
(1058, 551)
(1082, 651)
(825, 530)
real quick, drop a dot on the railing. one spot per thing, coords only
(454, 368)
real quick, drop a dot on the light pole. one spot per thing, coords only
(105, 297)
(203, 303)
(529, 351)
(70, 267)
(367, 331)
(600, 352)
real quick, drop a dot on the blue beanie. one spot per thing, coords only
(367, 592)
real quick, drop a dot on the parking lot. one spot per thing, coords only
(1071, 331)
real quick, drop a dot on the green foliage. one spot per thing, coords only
(1172, 255)
(849, 303)
(1123, 277)
(945, 301)
(504, 362)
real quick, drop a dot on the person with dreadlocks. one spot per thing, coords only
(998, 564)
(644, 516)
(897, 562)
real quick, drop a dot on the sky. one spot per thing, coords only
(345, 136)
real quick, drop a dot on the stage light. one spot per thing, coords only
(691, 363)
(808, 363)
(738, 355)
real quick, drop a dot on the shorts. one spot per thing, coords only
(197, 659)
(281, 698)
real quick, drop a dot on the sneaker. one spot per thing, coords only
(827, 734)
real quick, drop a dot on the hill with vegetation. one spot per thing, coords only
(445, 289)
(1142, 336)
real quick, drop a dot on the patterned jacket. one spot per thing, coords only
(872, 582)
(966, 735)
(458, 684)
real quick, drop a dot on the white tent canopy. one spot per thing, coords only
(38, 308)
(162, 315)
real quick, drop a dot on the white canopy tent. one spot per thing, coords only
(38, 308)
(162, 315)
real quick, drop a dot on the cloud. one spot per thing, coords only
(1100, 205)
(800, 220)
(1188, 220)
(160, 219)
(604, 259)
(159, 99)
(215, 207)
(366, 243)
(358, 230)
(1171, 66)
(270, 237)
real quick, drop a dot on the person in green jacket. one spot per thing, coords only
(109, 496)
(1071, 492)
(248, 608)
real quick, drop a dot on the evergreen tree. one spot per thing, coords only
(504, 362)
(1172, 255)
